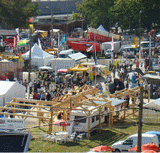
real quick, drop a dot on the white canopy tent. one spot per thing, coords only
(77, 56)
(153, 105)
(38, 56)
(9, 89)
(101, 28)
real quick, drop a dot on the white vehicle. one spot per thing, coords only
(108, 46)
(80, 118)
(145, 46)
(61, 63)
(65, 53)
(127, 51)
(131, 141)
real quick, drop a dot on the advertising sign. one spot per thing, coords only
(12, 123)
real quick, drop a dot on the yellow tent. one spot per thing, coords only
(79, 67)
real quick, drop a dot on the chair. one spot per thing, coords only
(59, 139)
(52, 138)
(43, 135)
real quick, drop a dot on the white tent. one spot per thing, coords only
(77, 56)
(9, 89)
(101, 28)
(153, 105)
(38, 56)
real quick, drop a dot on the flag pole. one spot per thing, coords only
(95, 58)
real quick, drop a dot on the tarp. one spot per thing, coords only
(150, 76)
(38, 56)
(153, 105)
(79, 67)
(77, 56)
(9, 89)
(101, 28)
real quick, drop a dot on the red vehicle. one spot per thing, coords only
(9, 40)
(69, 40)
(82, 46)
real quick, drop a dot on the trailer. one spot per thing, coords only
(61, 63)
(81, 118)
(107, 46)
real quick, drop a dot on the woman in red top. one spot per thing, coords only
(35, 95)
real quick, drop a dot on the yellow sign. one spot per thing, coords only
(136, 41)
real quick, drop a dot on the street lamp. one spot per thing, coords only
(51, 26)
(140, 34)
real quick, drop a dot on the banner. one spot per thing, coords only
(91, 76)
(63, 40)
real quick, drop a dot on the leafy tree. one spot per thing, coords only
(96, 12)
(127, 13)
(75, 16)
(16, 13)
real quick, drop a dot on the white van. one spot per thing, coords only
(131, 141)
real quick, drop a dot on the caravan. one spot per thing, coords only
(80, 119)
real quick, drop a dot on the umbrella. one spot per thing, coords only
(149, 146)
(62, 71)
(149, 151)
(102, 148)
(46, 68)
(62, 123)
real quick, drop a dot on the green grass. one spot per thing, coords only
(120, 131)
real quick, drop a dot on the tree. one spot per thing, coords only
(127, 13)
(96, 12)
(16, 13)
(75, 16)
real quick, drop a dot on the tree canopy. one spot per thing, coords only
(16, 13)
(126, 12)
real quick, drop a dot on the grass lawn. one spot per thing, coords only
(107, 137)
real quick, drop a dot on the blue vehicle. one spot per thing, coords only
(156, 133)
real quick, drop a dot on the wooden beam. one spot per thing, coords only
(20, 104)
(34, 101)
(23, 115)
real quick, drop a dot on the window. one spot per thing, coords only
(128, 142)
(92, 119)
(80, 119)
(97, 117)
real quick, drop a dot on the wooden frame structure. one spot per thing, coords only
(86, 95)
(132, 93)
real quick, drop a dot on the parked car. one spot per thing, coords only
(131, 141)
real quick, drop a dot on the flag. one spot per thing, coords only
(63, 40)
(30, 20)
(17, 30)
(112, 45)
(91, 76)
(55, 62)
(116, 25)
(90, 48)
(95, 60)
(14, 43)
(39, 43)
(18, 39)
(22, 42)
(67, 17)
(31, 27)
(81, 16)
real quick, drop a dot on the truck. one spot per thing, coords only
(107, 47)
(61, 63)
(131, 141)
(145, 47)
(128, 51)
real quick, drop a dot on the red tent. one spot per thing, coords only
(149, 146)
(102, 148)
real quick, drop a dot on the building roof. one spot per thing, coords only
(8, 32)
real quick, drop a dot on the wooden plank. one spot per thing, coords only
(23, 115)
(34, 101)
(25, 110)
(20, 104)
